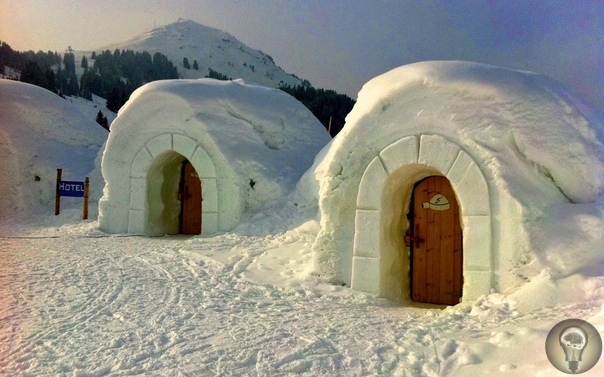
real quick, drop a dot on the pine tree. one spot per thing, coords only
(113, 100)
(51, 82)
(102, 120)
(195, 65)
(73, 88)
(69, 62)
(185, 63)
(217, 75)
(33, 74)
(84, 62)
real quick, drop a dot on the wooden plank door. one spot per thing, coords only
(190, 194)
(436, 247)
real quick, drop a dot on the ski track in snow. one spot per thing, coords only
(119, 306)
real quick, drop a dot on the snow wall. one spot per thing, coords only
(248, 144)
(518, 150)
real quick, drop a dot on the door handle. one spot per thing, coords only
(415, 239)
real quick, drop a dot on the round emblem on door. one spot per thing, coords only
(438, 203)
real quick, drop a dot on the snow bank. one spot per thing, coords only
(40, 132)
(249, 144)
(517, 147)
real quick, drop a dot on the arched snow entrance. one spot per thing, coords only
(174, 196)
(155, 208)
(381, 262)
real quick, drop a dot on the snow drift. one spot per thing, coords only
(249, 144)
(517, 147)
(40, 132)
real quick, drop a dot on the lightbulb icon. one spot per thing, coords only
(573, 340)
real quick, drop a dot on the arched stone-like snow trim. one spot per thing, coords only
(216, 205)
(379, 265)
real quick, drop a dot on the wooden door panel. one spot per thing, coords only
(191, 200)
(419, 256)
(436, 269)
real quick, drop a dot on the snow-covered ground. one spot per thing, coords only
(75, 301)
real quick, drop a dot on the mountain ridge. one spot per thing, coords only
(212, 49)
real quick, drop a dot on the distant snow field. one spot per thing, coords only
(75, 301)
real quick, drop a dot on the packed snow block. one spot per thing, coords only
(185, 144)
(113, 216)
(160, 144)
(438, 152)
(403, 152)
(209, 221)
(209, 194)
(203, 164)
(141, 164)
(468, 181)
(136, 223)
(477, 243)
(371, 182)
(476, 284)
(365, 274)
(460, 167)
(138, 188)
(367, 235)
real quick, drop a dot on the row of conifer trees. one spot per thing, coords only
(115, 75)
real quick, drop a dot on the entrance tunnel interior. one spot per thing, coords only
(164, 204)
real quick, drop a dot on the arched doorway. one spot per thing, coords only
(173, 196)
(380, 263)
(191, 200)
(435, 241)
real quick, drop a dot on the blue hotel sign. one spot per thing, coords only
(70, 188)
(73, 189)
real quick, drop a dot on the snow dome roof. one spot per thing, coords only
(262, 133)
(253, 143)
(529, 123)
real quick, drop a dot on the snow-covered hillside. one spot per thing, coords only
(212, 48)
(76, 301)
(40, 132)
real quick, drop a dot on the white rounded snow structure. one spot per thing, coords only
(509, 143)
(248, 146)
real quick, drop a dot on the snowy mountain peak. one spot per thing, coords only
(212, 49)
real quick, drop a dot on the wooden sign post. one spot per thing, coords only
(58, 195)
(73, 189)
(86, 192)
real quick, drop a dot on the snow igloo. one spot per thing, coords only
(190, 156)
(437, 188)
